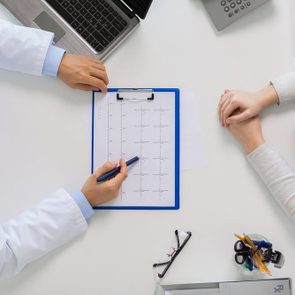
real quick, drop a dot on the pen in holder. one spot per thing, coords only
(255, 253)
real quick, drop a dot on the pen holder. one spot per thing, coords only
(254, 253)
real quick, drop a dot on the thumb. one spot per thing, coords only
(239, 117)
(105, 168)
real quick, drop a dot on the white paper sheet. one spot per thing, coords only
(143, 128)
(192, 153)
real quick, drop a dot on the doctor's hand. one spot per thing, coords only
(247, 104)
(248, 133)
(81, 72)
(98, 193)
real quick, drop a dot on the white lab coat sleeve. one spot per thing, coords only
(23, 49)
(35, 232)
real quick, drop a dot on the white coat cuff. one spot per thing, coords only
(52, 61)
(83, 204)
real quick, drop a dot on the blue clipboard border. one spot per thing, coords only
(177, 152)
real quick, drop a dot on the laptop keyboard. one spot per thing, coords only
(95, 20)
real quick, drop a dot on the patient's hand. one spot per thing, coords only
(247, 104)
(248, 133)
(81, 72)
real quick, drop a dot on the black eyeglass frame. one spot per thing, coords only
(174, 254)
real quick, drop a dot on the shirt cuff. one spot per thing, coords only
(52, 61)
(285, 88)
(83, 204)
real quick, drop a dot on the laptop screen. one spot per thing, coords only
(140, 7)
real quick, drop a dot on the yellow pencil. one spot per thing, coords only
(257, 255)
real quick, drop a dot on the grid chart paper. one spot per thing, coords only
(136, 126)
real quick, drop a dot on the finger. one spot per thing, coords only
(98, 64)
(94, 82)
(120, 177)
(222, 100)
(221, 103)
(229, 110)
(224, 106)
(100, 75)
(105, 168)
(245, 115)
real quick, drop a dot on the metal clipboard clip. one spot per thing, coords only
(140, 94)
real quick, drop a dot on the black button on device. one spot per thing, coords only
(248, 3)
(87, 5)
(85, 34)
(107, 35)
(92, 10)
(90, 38)
(80, 29)
(100, 38)
(75, 14)
(231, 14)
(78, 6)
(75, 24)
(70, 9)
(114, 31)
(65, 4)
(119, 26)
(90, 29)
(226, 9)
(233, 5)
(239, 2)
(110, 17)
(223, 3)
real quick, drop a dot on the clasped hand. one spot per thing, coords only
(238, 111)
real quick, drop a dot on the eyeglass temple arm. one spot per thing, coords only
(161, 275)
(160, 264)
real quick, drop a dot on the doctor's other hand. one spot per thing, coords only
(248, 133)
(82, 72)
(247, 104)
(99, 193)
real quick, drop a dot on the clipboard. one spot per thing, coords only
(131, 120)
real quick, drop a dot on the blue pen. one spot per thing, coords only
(112, 173)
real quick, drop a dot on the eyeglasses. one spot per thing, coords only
(182, 238)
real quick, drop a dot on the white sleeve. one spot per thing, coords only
(277, 175)
(285, 87)
(35, 232)
(23, 49)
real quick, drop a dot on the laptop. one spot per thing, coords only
(225, 12)
(88, 27)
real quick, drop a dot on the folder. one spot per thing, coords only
(145, 123)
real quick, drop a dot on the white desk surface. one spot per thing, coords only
(45, 144)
